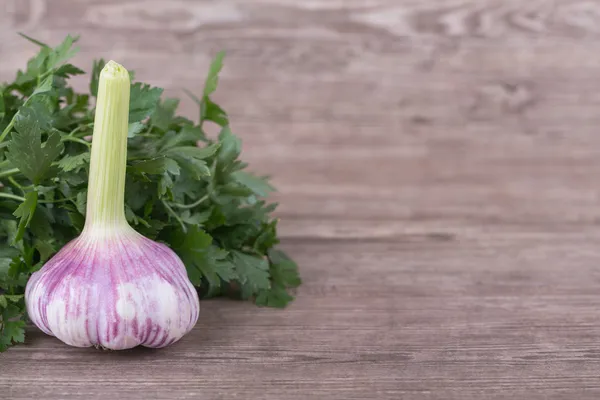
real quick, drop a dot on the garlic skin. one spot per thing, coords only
(117, 292)
(111, 286)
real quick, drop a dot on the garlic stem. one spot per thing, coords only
(106, 190)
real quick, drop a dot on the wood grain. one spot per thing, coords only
(438, 166)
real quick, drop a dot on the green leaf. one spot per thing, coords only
(199, 153)
(25, 212)
(134, 219)
(230, 146)
(2, 107)
(143, 101)
(74, 163)
(26, 150)
(165, 112)
(96, 69)
(284, 271)
(7, 252)
(36, 67)
(13, 298)
(13, 331)
(34, 41)
(198, 169)
(202, 258)
(277, 297)
(253, 272)
(68, 70)
(63, 52)
(45, 248)
(156, 166)
(81, 202)
(267, 238)
(138, 193)
(135, 128)
(234, 189)
(259, 185)
(195, 218)
(164, 184)
(10, 312)
(212, 80)
(11, 229)
(44, 189)
(45, 86)
(189, 134)
(41, 223)
(210, 111)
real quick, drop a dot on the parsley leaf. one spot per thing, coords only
(143, 101)
(34, 41)
(135, 128)
(96, 69)
(284, 270)
(11, 331)
(277, 297)
(253, 272)
(45, 86)
(210, 111)
(165, 113)
(156, 166)
(2, 107)
(74, 163)
(259, 186)
(284, 275)
(202, 258)
(62, 52)
(25, 211)
(26, 150)
(212, 80)
(199, 153)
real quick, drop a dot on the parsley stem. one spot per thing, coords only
(81, 127)
(10, 125)
(45, 75)
(20, 198)
(174, 215)
(9, 172)
(12, 196)
(194, 204)
(58, 201)
(15, 183)
(74, 139)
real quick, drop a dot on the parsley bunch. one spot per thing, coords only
(183, 188)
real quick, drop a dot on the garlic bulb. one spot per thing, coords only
(112, 287)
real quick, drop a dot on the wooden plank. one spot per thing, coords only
(496, 315)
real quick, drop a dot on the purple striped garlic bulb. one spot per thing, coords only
(111, 287)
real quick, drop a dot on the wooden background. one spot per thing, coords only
(438, 166)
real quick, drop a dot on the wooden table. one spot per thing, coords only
(438, 166)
